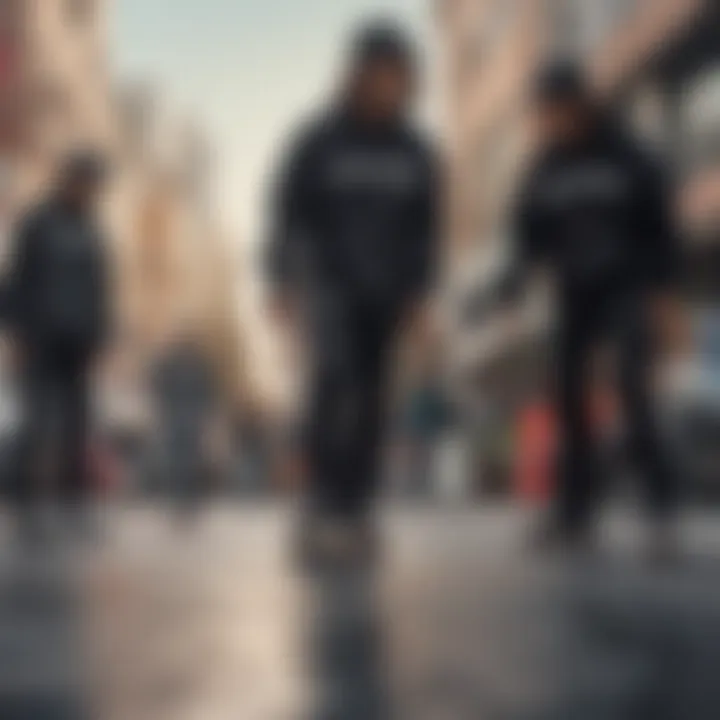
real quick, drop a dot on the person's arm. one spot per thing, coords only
(289, 225)
(659, 254)
(660, 257)
(528, 240)
(105, 294)
(421, 268)
(21, 276)
(424, 258)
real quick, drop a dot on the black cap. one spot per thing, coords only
(382, 40)
(561, 81)
(85, 166)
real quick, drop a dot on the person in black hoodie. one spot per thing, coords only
(58, 313)
(354, 232)
(595, 211)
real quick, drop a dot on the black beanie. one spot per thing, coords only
(85, 165)
(561, 80)
(382, 41)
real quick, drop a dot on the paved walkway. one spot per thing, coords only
(462, 623)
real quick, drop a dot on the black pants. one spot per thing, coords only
(53, 442)
(351, 350)
(589, 323)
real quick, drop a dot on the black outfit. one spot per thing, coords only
(58, 303)
(355, 231)
(598, 216)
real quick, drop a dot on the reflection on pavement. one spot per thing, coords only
(208, 622)
(345, 647)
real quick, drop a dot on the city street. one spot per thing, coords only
(207, 622)
(247, 245)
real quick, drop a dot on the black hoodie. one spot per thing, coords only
(599, 214)
(355, 213)
(58, 286)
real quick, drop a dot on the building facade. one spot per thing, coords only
(56, 86)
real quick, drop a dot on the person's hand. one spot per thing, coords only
(16, 354)
(282, 310)
(670, 325)
(418, 322)
(100, 365)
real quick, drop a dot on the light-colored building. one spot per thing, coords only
(58, 84)
(491, 52)
(176, 262)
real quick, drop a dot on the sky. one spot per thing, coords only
(247, 70)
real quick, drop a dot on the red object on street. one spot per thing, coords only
(536, 446)
(537, 442)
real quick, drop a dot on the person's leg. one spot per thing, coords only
(329, 420)
(343, 444)
(576, 470)
(73, 446)
(33, 442)
(365, 434)
(644, 436)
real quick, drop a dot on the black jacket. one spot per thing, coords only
(58, 284)
(355, 212)
(599, 214)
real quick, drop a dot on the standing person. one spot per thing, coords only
(596, 211)
(59, 312)
(186, 403)
(355, 226)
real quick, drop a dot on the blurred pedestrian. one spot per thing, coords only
(427, 418)
(59, 318)
(355, 225)
(185, 392)
(596, 211)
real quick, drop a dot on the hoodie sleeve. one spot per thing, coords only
(105, 293)
(528, 247)
(422, 268)
(529, 240)
(659, 249)
(20, 278)
(290, 211)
